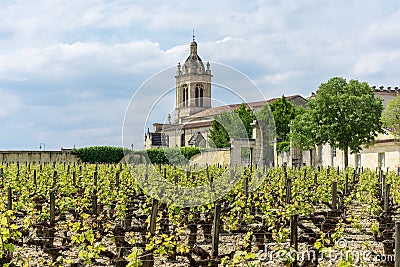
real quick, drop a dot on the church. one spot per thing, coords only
(194, 115)
(193, 111)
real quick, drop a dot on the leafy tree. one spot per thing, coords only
(229, 125)
(344, 114)
(284, 112)
(218, 135)
(391, 115)
(303, 132)
(247, 116)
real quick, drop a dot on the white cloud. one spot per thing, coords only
(283, 77)
(73, 65)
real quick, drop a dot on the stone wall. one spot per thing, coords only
(37, 156)
(369, 157)
(282, 159)
(212, 157)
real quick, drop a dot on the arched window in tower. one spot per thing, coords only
(185, 94)
(199, 95)
(196, 96)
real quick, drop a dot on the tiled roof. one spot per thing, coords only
(388, 89)
(187, 125)
(211, 112)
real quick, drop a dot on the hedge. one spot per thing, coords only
(99, 154)
(174, 156)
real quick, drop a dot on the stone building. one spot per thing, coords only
(193, 111)
(383, 153)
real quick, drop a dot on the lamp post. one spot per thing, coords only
(44, 146)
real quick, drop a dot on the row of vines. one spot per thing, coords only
(98, 215)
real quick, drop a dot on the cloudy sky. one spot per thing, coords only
(68, 69)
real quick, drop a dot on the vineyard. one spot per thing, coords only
(98, 215)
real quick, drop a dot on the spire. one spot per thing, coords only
(193, 46)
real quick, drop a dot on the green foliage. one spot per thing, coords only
(8, 235)
(391, 115)
(89, 235)
(284, 112)
(283, 146)
(247, 116)
(344, 114)
(174, 156)
(218, 135)
(303, 134)
(99, 154)
(229, 125)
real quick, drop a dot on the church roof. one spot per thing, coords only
(187, 125)
(211, 112)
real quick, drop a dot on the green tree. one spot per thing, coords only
(218, 135)
(303, 132)
(229, 125)
(247, 116)
(344, 114)
(284, 112)
(391, 116)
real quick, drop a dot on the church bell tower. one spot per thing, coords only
(193, 86)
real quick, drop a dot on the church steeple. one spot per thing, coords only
(193, 85)
(193, 46)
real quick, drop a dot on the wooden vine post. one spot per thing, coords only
(397, 244)
(383, 185)
(52, 209)
(288, 190)
(94, 197)
(215, 234)
(74, 178)
(34, 178)
(148, 260)
(387, 199)
(334, 196)
(9, 202)
(117, 179)
(54, 178)
(294, 237)
(246, 185)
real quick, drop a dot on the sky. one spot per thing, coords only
(69, 69)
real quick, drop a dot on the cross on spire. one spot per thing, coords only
(193, 35)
